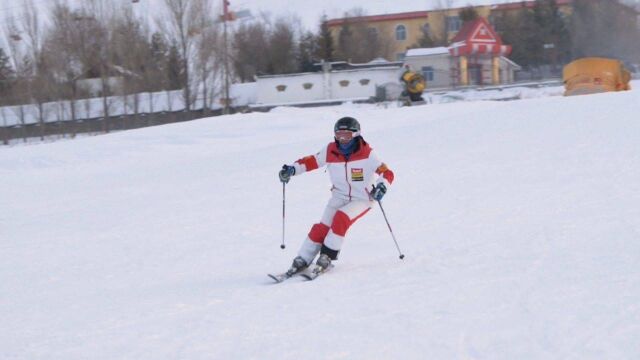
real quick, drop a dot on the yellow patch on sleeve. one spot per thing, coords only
(382, 168)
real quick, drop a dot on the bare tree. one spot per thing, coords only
(19, 60)
(66, 48)
(282, 47)
(210, 63)
(32, 28)
(208, 59)
(102, 18)
(131, 56)
(39, 76)
(358, 41)
(249, 40)
(182, 28)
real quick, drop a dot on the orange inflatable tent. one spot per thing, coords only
(595, 75)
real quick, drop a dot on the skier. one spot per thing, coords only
(353, 168)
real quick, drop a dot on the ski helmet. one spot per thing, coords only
(347, 123)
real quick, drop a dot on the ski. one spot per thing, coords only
(312, 274)
(278, 278)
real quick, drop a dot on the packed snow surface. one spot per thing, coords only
(520, 222)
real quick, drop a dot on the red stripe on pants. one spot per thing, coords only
(341, 222)
(318, 232)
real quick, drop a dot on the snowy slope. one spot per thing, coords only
(520, 222)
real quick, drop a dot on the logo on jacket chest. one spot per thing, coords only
(357, 174)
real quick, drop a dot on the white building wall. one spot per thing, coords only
(441, 64)
(361, 83)
(291, 88)
(324, 86)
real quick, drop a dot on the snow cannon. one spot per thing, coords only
(414, 85)
(595, 75)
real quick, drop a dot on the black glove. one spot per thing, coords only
(286, 173)
(378, 192)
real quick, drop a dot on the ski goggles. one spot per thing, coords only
(345, 135)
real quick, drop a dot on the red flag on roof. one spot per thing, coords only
(227, 15)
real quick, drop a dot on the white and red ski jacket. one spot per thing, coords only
(352, 178)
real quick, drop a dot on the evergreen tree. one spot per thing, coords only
(7, 74)
(307, 50)
(425, 41)
(325, 49)
(159, 49)
(603, 28)
(346, 41)
(552, 31)
(468, 14)
(520, 30)
(358, 41)
(175, 74)
(539, 35)
(158, 62)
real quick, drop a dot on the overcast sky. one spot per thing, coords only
(309, 11)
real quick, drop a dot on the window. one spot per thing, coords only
(426, 29)
(453, 23)
(401, 33)
(372, 33)
(400, 56)
(427, 72)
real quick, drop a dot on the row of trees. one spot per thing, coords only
(100, 41)
(187, 51)
(282, 45)
(540, 35)
(544, 35)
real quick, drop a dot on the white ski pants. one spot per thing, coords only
(328, 235)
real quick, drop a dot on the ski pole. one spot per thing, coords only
(283, 202)
(391, 231)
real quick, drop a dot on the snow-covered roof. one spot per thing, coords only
(427, 51)
(513, 63)
(379, 60)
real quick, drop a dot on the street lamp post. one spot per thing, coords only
(549, 50)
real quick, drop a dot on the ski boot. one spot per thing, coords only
(298, 265)
(322, 264)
